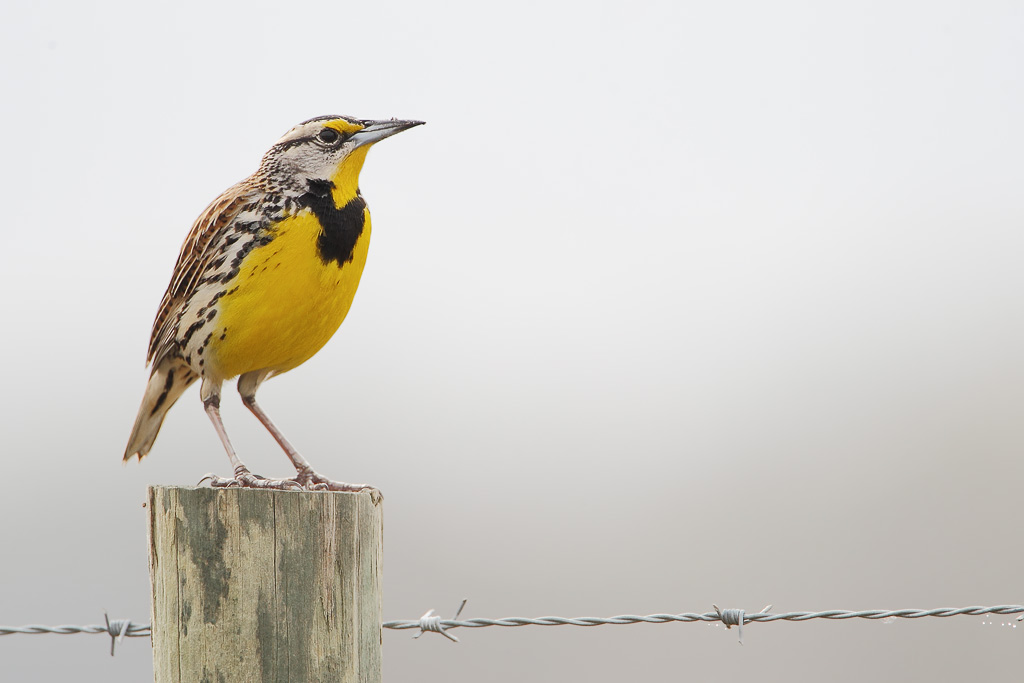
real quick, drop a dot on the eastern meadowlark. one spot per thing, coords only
(264, 278)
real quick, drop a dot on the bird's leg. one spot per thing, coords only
(306, 475)
(243, 477)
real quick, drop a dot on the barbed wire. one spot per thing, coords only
(729, 617)
(119, 629)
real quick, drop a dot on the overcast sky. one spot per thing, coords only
(668, 304)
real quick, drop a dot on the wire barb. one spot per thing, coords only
(432, 622)
(117, 629)
(736, 617)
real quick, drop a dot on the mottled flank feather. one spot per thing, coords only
(197, 254)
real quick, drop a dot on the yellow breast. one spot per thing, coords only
(285, 302)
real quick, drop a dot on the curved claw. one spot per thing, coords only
(219, 482)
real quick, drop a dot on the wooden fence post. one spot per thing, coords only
(256, 585)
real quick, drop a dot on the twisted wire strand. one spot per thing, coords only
(121, 628)
(132, 631)
(732, 616)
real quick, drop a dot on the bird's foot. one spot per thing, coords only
(247, 480)
(312, 481)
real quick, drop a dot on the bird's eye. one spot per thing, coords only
(329, 136)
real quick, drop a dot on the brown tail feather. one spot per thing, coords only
(169, 379)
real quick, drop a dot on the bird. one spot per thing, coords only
(264, 278)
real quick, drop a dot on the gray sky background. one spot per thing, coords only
(668, 304)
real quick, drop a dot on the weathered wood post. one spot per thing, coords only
(257, 585)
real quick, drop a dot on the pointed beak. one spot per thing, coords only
(375, 131)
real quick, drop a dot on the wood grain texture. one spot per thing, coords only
(257, 585)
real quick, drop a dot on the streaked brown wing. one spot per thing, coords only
(196, 254)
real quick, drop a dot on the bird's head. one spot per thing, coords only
(327, 148)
